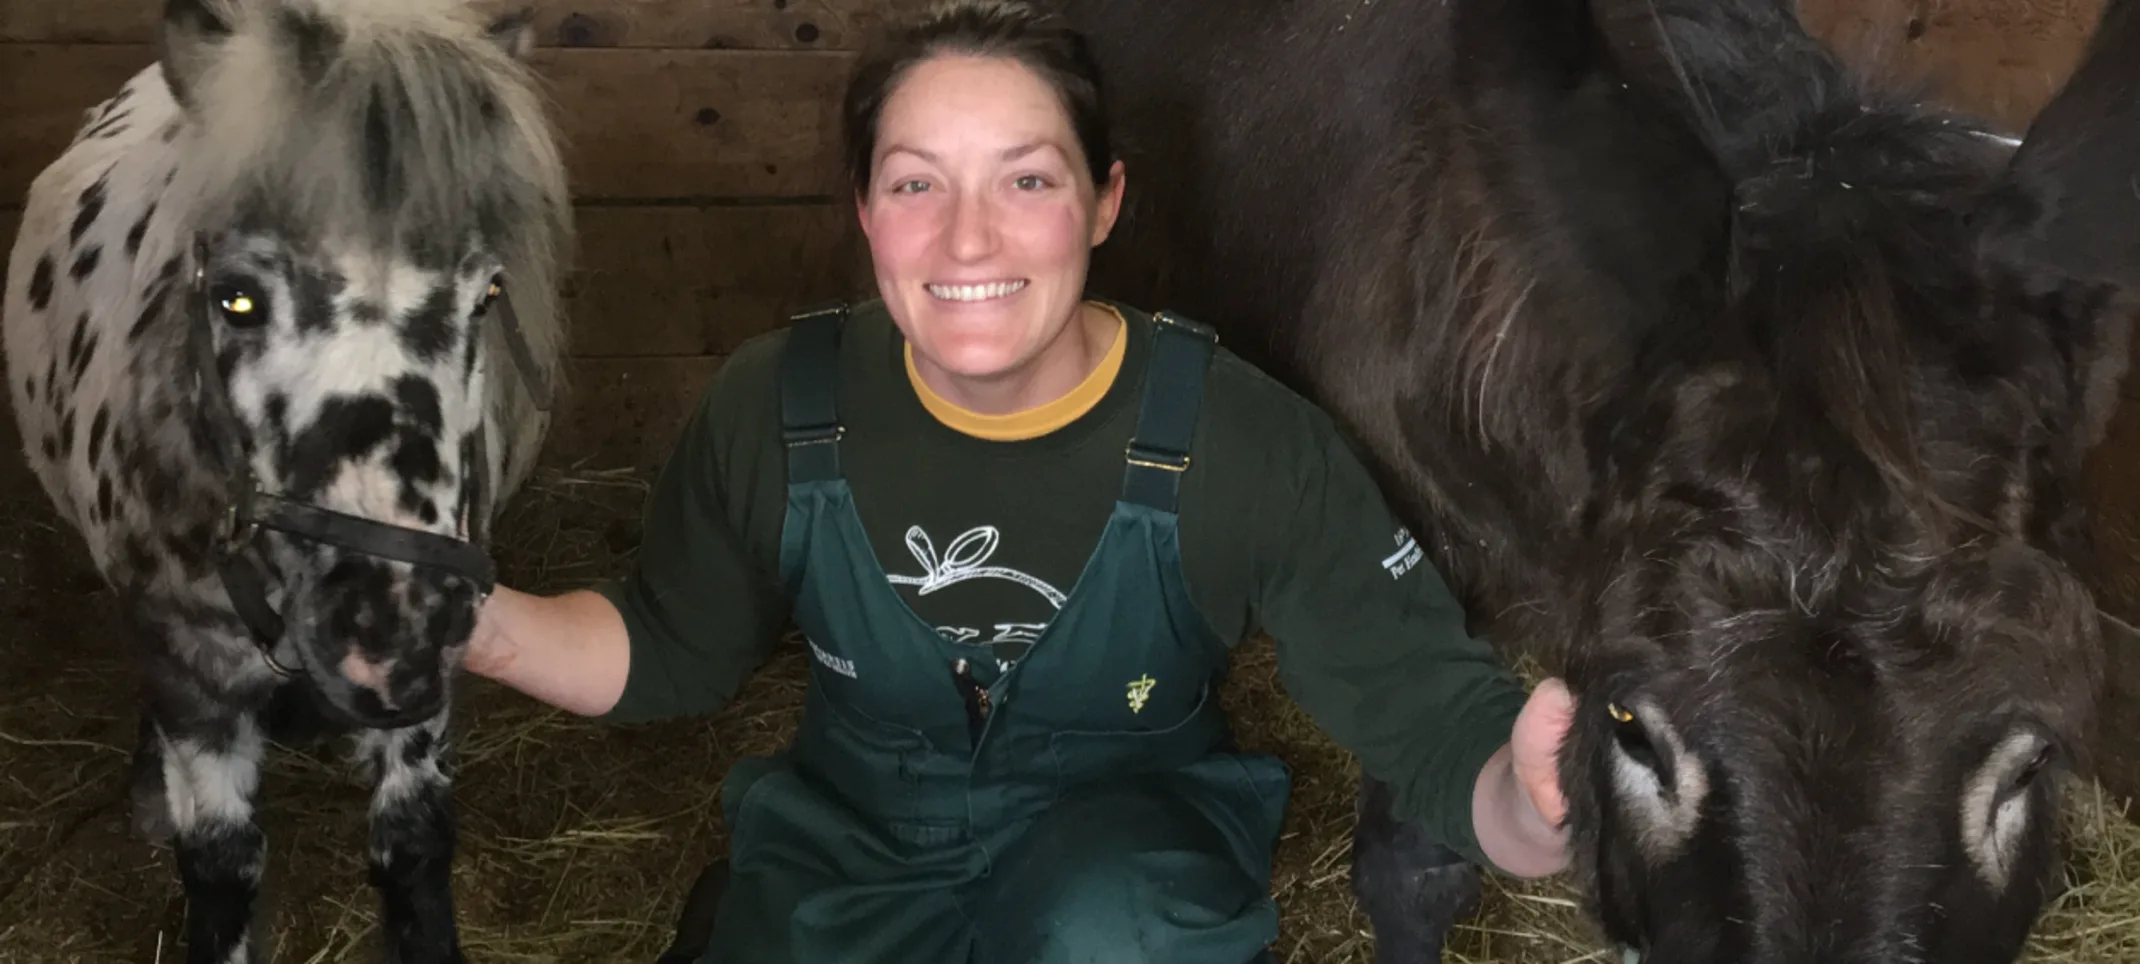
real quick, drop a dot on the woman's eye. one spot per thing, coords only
(1031, 182)
(909, 187)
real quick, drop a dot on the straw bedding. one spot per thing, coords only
(577, 839)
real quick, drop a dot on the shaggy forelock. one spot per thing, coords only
(391, 124)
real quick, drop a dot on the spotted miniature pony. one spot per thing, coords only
(281, 330)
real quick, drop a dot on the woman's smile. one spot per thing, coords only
(973, 293)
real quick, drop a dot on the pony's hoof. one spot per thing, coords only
(152, 822)
(1413, 909)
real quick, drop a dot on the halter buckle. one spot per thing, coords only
(235, 533)
(267, 654)
(239, 527)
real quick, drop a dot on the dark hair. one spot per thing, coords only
(1043, 42)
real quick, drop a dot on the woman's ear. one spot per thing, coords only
(1108, 204)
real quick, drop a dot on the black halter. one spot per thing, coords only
(252, 508)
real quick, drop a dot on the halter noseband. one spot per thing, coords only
(252, 508)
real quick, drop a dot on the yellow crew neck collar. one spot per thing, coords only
(1038, 420)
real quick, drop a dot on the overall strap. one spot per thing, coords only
(1173, 387)
(809, 387)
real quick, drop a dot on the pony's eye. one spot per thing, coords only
(2035, 766)
(238, 306)
(490, 294)
(1633, 738)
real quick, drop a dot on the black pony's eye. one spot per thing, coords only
(1633, 738)
(238, 306)
(2035, 766)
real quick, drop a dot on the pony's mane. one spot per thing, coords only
(1842, 202)
(395, 123)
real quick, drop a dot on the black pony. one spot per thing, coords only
(1750, 398)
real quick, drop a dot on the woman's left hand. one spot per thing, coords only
(1540, 730)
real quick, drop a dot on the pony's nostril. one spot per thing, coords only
(370, 675)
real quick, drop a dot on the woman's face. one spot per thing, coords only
(981, 214)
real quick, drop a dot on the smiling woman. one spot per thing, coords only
(978, 216)
(1012, 748)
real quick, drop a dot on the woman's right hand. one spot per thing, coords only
(489, 649)
(570, 651)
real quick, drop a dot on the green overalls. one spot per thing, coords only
(1085, 806)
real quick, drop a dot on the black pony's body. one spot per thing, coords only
(1750, 400)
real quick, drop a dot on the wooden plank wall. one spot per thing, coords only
(703, 137)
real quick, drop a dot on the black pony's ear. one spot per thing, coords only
(186, 42)
(2067, 208)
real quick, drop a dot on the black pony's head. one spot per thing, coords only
(1833, 642)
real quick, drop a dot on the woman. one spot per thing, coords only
(1022, 530)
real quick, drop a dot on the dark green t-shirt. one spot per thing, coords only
(1282, 530)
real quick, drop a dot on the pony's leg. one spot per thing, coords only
(1412, 889)
(412, 842)
(211, 766)
(152, 812)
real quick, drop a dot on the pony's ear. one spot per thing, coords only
(515, 32)
(187, 41)
(2067, 208)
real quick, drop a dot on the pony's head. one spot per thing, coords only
(376, 200)
(1836, 648)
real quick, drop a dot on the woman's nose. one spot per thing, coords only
(973, 229)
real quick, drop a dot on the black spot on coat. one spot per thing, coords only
(419, 404)
(151, 310)
(112, 126)
(98, 426)
(86, 262)
(314, 300)
(87, 208)
(416, 748)
(347, 428)
(41, 283)
(77, 340)
(80, 365)
(428, 331)
(140, 230)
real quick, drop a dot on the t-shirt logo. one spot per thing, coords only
(965, 560)
(1407, 555)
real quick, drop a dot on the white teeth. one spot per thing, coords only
(975, 292)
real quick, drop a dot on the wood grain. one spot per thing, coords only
(638, 124)
(626, 411)
(701, 280)
(698, 123)
(711, 24)
(10, 222)
(44, 90)
(2113, 485)
(2000, 58)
